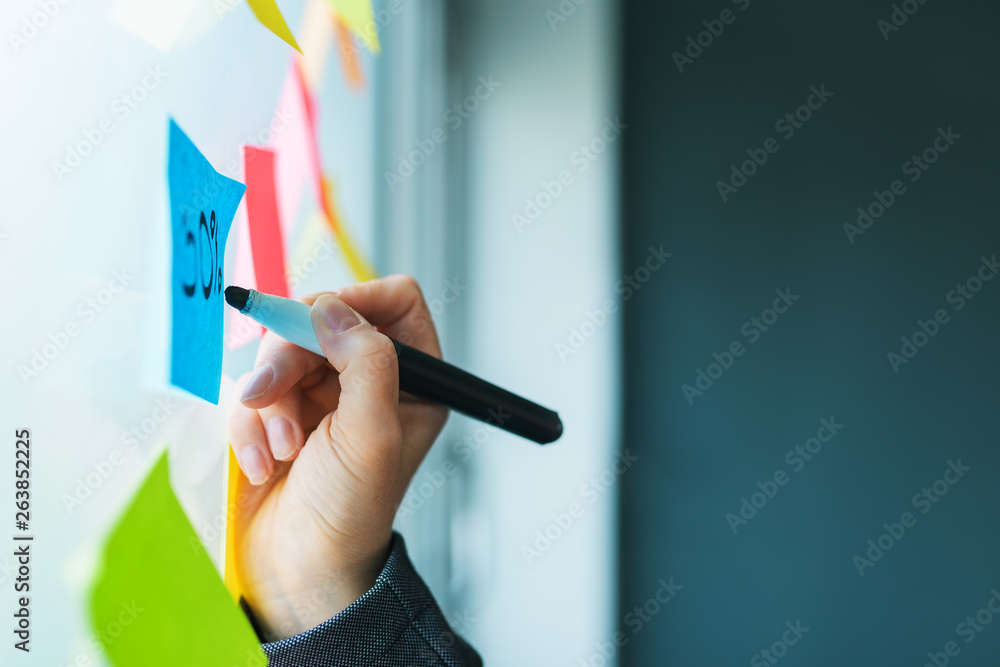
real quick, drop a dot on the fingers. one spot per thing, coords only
(260, 437)
(249, 442)
(283, 426)
(367, 414)
(396, 306)
(280, 365)
(268, 425)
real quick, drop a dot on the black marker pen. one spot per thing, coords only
(420, 374)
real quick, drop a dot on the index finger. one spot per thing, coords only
(279, 366)
(396, 306)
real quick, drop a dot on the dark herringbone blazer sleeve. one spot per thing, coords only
(395, 624)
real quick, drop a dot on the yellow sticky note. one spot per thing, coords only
(159, 601)
(267, 12)
(232, 576)
(358, 16)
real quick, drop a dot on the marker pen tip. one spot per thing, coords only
(237, 297)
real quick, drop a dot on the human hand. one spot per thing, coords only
(329, 447)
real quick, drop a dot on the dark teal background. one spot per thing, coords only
(827, 355)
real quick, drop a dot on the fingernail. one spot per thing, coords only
(258, 383)
(281, 437)
(252, 462)
(337, 315)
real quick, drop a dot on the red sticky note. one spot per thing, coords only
(266, 242)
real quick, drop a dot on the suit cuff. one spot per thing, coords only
(396, 622)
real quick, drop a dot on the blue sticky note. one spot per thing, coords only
(202, 205)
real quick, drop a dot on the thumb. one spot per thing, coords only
(367, 414)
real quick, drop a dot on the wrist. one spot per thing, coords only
(298, 571)
(284, 606)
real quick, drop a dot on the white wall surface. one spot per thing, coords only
(527, 290)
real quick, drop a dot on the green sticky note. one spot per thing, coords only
(159, 600)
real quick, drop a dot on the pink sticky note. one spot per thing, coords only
(293, 166)
(312, 139)
(240, 329)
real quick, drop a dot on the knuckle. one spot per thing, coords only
(378, 351)
(239, 418)
(407, 284)
(378, 364)
(421, 313)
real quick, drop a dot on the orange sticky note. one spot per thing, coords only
(360, 18)
(349, 58)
